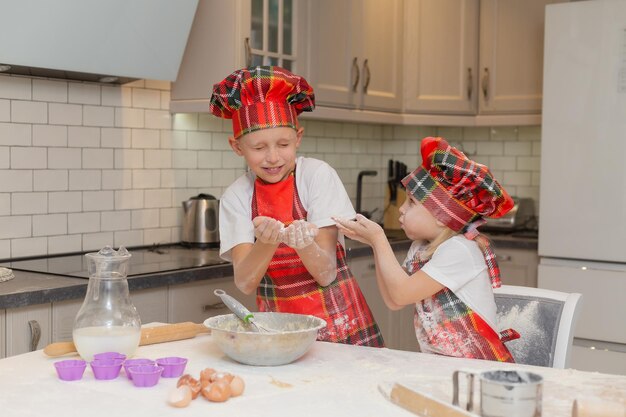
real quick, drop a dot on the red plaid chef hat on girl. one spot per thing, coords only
(455, 189)
(258, 98)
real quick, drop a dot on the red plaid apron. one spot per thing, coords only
(288, 287)
(445, 325)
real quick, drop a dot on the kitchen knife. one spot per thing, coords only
(391, 181)
(149, 336)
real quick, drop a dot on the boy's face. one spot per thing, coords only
(270, 153)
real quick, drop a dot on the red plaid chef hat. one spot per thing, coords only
(455, 189)
(258, 98)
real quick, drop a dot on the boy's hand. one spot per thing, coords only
(299, 234)
(361, 229)
(267, 230)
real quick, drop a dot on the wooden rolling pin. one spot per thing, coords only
(149, 336)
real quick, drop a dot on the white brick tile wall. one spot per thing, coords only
(65, 114)
(84, 165)
(50, 224)
(64, 244)
(28, 157)
(96, 241)
(98, 200)
(84, 93)
(50, 180)
(18, 88)
(65, 202)
(83, 222)
(15, 226)
(59, 158)
(29, 203)
(97, 158)
(83, 137)
(115, 220)
(49, 135)
(28, 247)
(49, 90)
(85, 179)
(16, 180)
(98, 116)
(5, 110)
(15, 134)
(29, 111)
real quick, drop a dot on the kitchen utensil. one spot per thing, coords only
(421, 403)
(71, 369)
(173, 366)
(201, 221)
(149, 336)
(292, 337)
(240, 310)
(145, 375)
(136, 362)
(508, 393)
(107, 320)
(106, 368)
(598, 407)
(391, 181)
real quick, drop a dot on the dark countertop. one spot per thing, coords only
(29, 288)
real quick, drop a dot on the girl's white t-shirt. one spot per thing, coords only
(459, 264)
(320, 190)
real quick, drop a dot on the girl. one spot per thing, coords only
(275, 220)
(450, 269)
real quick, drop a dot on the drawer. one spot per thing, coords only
(602, 309)
(597, 359)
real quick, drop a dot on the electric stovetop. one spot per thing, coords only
(154, 259)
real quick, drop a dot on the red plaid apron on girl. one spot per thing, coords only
(445, 325)
(288, 287)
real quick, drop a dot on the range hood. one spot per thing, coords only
(95, 40)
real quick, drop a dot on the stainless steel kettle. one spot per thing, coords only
(201, 221)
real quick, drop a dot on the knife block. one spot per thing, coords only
(392, 213)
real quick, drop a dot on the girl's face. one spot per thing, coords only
(417, 222)
(269, 153)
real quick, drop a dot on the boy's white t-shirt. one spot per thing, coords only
(320, 190)
(459, 264)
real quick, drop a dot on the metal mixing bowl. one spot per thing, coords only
(292, 336)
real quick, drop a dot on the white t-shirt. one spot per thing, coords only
(459, 264)
(320, 190)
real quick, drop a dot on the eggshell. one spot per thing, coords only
(180, 396)
(218, 391)
(236, 386)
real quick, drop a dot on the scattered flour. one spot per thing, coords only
(524, 321)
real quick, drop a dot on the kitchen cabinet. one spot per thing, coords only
(2, 337)
(476, 57)
(28, 328)
(517, 266)
(355, 53)
(196, 302)
(228, 35)
(397, 326)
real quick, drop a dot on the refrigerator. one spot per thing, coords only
(582, 216)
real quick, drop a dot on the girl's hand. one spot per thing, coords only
(267, 230)
(361, 229)
(299, 234)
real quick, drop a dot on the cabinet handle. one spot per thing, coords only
(505, 258)
(485, 84)
(366, 70)
(470, 83)
(35, 334)
(355, 67)
(212, 307)
(248, 52)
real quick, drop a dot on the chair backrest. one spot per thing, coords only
(545, 319)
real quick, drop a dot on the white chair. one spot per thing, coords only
(545, 320)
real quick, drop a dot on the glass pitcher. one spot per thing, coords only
(107, 321)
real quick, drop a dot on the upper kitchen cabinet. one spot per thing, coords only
(228, 35)
(474, 56)
(355, 53)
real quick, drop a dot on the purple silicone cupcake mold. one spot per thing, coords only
(106, 368)
(71, 369)
(136, 362)
(173, 366)
(109, 355)
(145, 375)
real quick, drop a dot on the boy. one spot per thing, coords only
(275, 221)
